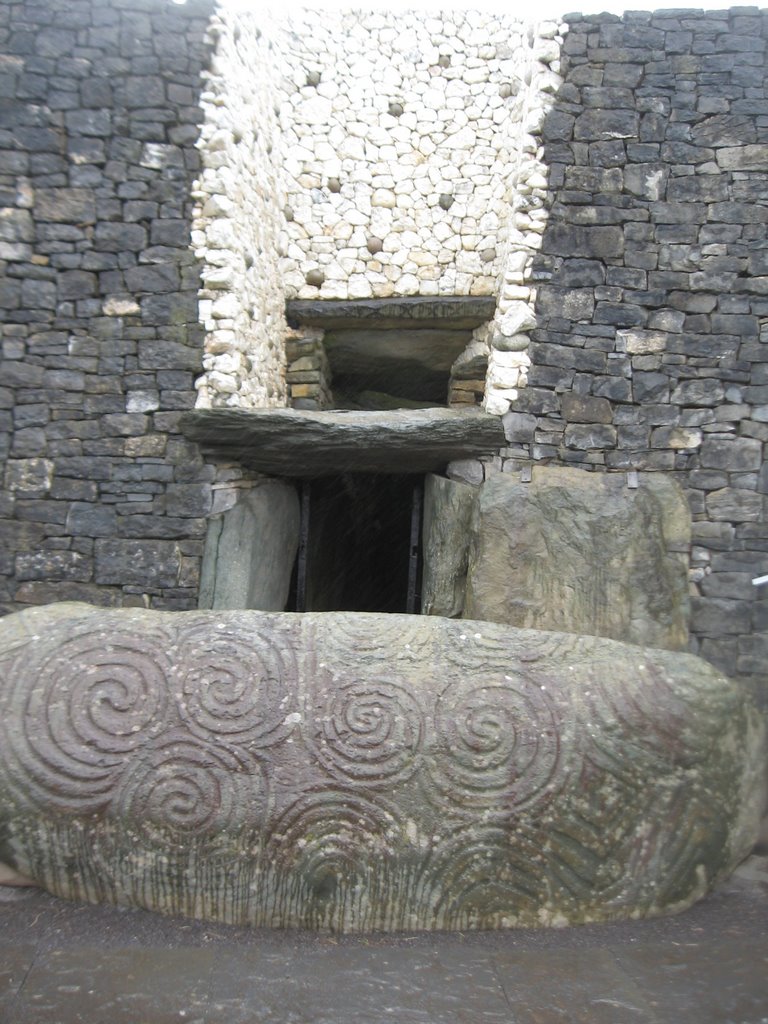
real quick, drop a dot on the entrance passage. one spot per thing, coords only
(359, 544)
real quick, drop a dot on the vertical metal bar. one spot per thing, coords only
(301, 565)
(413, 558)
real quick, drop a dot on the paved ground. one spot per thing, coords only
(73, 964)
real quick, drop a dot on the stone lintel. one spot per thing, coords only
(460, 311)
(303, 443)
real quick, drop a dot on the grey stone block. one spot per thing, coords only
(65, 205)
(535, 560)
(91, 520)
(142, 563)
(603, 125)
(737, 454)
(250, 550)
(734, 505)
(577, 241)
(585, 436)
(705, 392)
(448, 507)
(583, 409)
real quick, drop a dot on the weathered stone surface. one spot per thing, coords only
(582, 553)
(293, 442)
(74, 205)
(598, 242)
(737, 454)
(250, 550)
(583, 409)
(743, 158)
(735, 505)
(445, 545)
(455, 311)
(356, 772)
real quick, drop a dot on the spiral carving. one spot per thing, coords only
(498, 745)
(242, 688)
(98, 696)
(368, 732)
(265, 769)
(184, 790)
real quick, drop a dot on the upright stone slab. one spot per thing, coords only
(582, 553)
(448, 508)
(359, 771)
(250, 550)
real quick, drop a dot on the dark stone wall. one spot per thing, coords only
(102, 499)
(652, 303)
(651, 348)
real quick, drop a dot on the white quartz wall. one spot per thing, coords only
(237, 230)
(404, 161)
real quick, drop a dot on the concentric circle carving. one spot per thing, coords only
(483, 876)
(339, 825)
(238, 686)
(370, 732)
(498, 745)
(97, 697)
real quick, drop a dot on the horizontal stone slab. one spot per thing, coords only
(456, 312)
(301, 443)
(359, 772)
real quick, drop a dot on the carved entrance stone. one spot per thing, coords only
(357, 771)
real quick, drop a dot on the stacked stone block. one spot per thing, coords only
(308, 375)
(101, 499)
(651, 343)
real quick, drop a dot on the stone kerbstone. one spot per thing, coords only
(357, 771)
(583, 553)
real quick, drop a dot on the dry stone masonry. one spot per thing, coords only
(368, 155)
(652, 305)
(154, 223)
(102, 499)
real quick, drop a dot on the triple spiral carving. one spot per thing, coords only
(238, 688)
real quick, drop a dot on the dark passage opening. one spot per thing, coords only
(359, 545)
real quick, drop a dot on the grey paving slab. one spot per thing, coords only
(15, 963)
(70, 963)
(133, 986)
(372, 984)
(723, 982)
(571, 985)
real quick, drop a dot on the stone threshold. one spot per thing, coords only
(458, 312)
(303, 444)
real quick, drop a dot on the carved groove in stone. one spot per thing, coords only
(357, 771)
